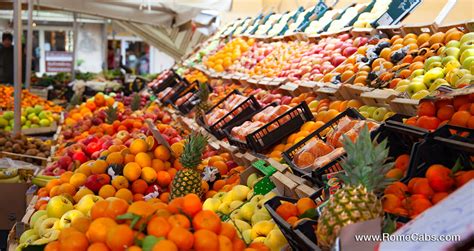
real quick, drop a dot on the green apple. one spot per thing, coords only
(31, 115)
(388, 115)
(467, 53)
(466, 79)
(68, 217)
(379, 113)
(365, 114)
(86, 202)
(49, 223)
(371, 111)
(415, 87)
(260, 216)
(448, 59)
(431, 60)
(437, 83)
(23, 120)
(434, 65)
(36, 216)
(30, 110)
(57, 206)
(252, 179)
(402, 88)
(219, 195)
(235, 204)
(403, 82)
(8, 128)
(432, 75)
(468, 62)
(452, 51)
(261, 229)
(420, 94)
(38, 109)
(43, 115)
(313, 104)
(211, 204)
(224, 208)
(240, 192)
(275, 240)
(247, 210)
(466, 46)
(28, 236)
(417, 73)
(8, 115)
(453, 43)
(467, 37)
(44, 123)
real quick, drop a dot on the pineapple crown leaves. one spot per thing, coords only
(366, 162)
(194, 146)
(135, 105)
(111, 113)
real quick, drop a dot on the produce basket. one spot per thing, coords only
(333, 166)
(192, 101)
(193, 87)
(240, 113)
(283, 125)
(178, 88)
(169, 81)
(295, 242)
(305, 232)
(444, 146)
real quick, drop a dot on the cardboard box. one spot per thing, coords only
(13, 201)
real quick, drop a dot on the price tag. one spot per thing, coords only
(157, 135)
(397, 10)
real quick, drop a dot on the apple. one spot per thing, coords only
(431, 60)
(467, 37)
(57, 206)
(241, 225)
(420, 94)
(379, 113)
(453, 43)
(260, 216)
(211, 204)
(28, 236)
(86, 202)
(402, 88)
(240, 192)
(388, 115)
(432, 75)
(452, 51)
(437, 83)
(262, 229)
(467, 79)
(48, 223)
(467, 53)
(247, 210)
(468, 63)
(417, 73)
(275, 240)
(403, 82)
(246, 236)
(252, 179)
(224, 208)
(415, 87)
(68, 217)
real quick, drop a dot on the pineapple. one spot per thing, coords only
(188, 180)
(204, 104)
(135, 105)
(365, 167)
(111, 114)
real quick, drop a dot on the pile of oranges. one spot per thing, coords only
(421, 193)
(293, 212)
(100, 101)
(27, 100)
(458, 111)
(226, 56)
(179, 225)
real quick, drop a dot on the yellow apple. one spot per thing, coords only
(57, 206)
(240, 192)
(85, 203)
(211, 204)
(262, 228)
(68, 217)
(275, 240)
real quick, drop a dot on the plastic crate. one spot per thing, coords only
(241, 112)
(443, 146)
(293, 240)
(169, 81)
(183, 91)
(178, 88)
(190, 103)
(306, 234)
(315, 175)
(287, 123)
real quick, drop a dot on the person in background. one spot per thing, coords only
(6, 59)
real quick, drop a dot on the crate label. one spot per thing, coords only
(157, 135)
(332, 182)
(397, 11)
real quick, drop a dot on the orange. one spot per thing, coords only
(238, 244)
(132, 171)
(192, 204)
(460, 100)
(52, 183)
(64, 178)
(218, 184)
(97, 231)
(78, 179)
(67, 188)
(120, 182)
(99, 166)
(142, 209)
(129, 158)
(221, 166)
(460, 118)
(124, 194)
(179, 220)
(119, 237)
(107, 191)
(395, 174)
(158, 226)
(148, 174)
(445, 112)
(98, 246)
(286, 210)
(81, 223)
(165, 245)
(205, 240)
(177, 148)
(162, 153)
(181, 237)
(390, 202)
(138, 146)
(402, 162)
(225, 244)
(330, 115)
(470, 122)
(81, 193)
(335, 105)
(53, 246)
(139, 186)
(427, 108)
(304, 204)
(114, 158)
(228, 229)
(143, 159)
(158, 165)
(207, 220)
(165, 197)
(163, 178)
(73, 240)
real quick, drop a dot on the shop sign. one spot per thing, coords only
(58, 61)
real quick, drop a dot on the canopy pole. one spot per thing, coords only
(17, 69)
(74, 46)
(29, 45)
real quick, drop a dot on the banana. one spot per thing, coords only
(15, 179)
(6, 173)
(41, 181)
(47, 177)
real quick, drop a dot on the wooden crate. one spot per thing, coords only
(362, 32)
(291, 89)
(309, 86)
(420, 28)
(43, 161)
(389, 30)
(40, 130)
(378, 97)
(41, 92)
(404, 106)
(349, 91)
(461, 26)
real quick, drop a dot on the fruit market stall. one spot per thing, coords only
(284, 131)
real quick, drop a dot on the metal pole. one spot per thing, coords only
(74, 48)
(29, 45)
(17, 69)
